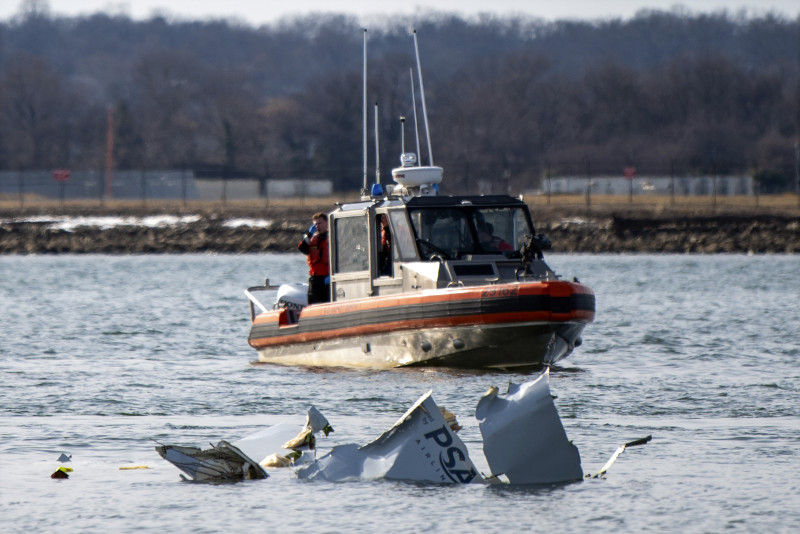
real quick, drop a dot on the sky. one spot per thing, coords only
(257, 12)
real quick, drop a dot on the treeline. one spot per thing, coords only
(510, 100)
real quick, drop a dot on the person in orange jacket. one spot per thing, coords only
(315, 246)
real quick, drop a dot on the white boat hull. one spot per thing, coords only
(484, 346)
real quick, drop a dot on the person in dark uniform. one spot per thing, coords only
(315, 246)
(385, 250)
(489, 241)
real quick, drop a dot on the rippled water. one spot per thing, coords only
(101, 354)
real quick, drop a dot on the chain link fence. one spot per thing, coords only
(72, 185)
(183, 185)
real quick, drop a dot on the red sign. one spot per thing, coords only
(61, 175)
(629, 172)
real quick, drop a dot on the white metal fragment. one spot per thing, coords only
(523, 437)
(420, 447)
(244, 458)
(220, 462)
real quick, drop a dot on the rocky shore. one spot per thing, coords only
(225, 232)
(699, 234)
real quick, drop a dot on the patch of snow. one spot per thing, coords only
(69, 224)
(252, 223)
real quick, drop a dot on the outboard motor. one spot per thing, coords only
(292, 297)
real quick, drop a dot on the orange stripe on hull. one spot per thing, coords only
(464, 320)
(554, 289)
(557, 289)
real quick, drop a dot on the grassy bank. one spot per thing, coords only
(544, 208)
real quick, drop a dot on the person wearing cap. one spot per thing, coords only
(315, 246)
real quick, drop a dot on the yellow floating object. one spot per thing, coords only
(276, 460)
(129, 467)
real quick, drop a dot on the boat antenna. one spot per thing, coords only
(402, 135)
(414, 105)
(364, 111)
(422, 97)
(377, 149)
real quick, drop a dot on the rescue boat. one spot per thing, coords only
(464, 285)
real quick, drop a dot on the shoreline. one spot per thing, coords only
(249, 228)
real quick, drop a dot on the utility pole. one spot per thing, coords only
(109, 153)
(549, 182)
(588, 184)
(797, 167)
(672, 181)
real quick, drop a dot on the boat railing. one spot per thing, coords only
(254, 302)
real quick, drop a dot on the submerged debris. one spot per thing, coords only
(523, 437)
(523, 441)
(420, 447)
(220, 462)
(235, 460)
(620, 450)
(450, 417)
(522, 434)
(61, 472)
(279, 460)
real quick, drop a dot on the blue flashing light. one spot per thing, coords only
(377, 190)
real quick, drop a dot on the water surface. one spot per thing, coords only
(99, 355)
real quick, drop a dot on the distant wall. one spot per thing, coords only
(242, 188)
(299, 188)
(217, 189)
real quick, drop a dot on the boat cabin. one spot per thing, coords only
(433, 242)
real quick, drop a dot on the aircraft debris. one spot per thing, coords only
(620, 450)
(420, 447)
(524, 442)
(61, 472)
(236, 460)
(220, 462)
(450, 417)
(523, 437)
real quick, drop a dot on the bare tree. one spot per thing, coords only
(35, 105)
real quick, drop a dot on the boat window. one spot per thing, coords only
(500, 229)
(403, 238)
(442, 232)
(352, 251)
(452, 232)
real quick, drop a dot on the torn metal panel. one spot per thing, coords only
(268, 441)
(221, 462)
(523, 437)
(420, 447)
(282, 438)
(316, 422)
(246, 458)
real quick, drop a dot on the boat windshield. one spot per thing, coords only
(450, 233)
